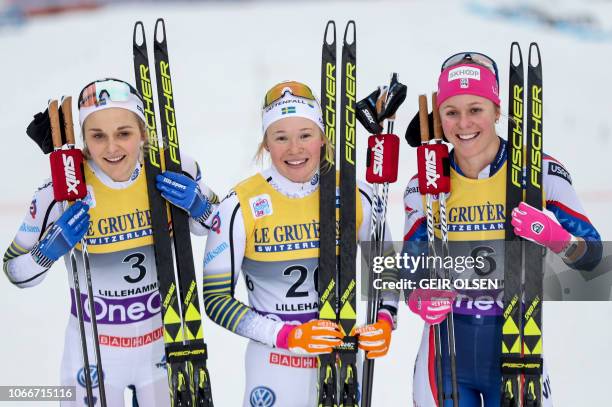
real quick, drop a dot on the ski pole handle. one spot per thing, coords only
(432, 159)
(423, 122)
(68, 124)
(382, 158)
(66, 165)
(437, 123)
(54, 123)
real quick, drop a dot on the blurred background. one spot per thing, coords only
(224, 56)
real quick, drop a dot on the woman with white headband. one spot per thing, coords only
(469, 106)
(115, 220)
(267, 227)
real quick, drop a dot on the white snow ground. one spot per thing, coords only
(224, 56)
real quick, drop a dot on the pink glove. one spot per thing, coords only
(431, 305)
(533, 224)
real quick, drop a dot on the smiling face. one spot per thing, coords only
(114, 138)
(468, 122)
(294, 144)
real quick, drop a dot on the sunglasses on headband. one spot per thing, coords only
(476, 57)
(98, 92)
(295, 88)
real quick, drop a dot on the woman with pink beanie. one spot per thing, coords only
(469, 105)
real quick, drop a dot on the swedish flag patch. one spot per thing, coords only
(288, 110)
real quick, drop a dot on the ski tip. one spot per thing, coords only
(330, 28)
(351, 28)
(516, 58)
(160, 31)
(534, 55)
(139, 34)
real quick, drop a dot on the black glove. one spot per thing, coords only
(39, 130)
(395, 97)
(413, 132)
(367, 114)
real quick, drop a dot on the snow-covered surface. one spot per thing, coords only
(224, 57)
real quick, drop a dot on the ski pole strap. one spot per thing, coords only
(530, 365)
(179, 352)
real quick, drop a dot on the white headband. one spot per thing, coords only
(133, 104)
(292, 106)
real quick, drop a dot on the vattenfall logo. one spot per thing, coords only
(295, 101)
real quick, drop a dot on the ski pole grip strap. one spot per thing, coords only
(67, 175)
(382, 158)
(178, 352)
(521, 365)
(433, 168)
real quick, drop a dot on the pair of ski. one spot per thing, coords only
(521, 362)
(338, 383)
(69, 185)
(185, 349)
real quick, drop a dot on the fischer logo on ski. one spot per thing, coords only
(535, 175)
(516, 144)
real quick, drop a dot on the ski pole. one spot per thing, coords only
(70, 141)
(424, 125)
(450, 326)
(382, 167)
(57, 156)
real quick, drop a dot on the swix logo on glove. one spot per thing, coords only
(368, 115)
(67, 175)
(382, 158)
(433, 167)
